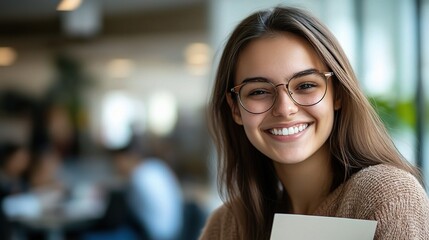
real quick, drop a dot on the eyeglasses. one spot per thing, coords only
(306, 88)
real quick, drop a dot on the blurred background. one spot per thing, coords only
(93, 90)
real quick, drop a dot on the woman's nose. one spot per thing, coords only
(284, 105)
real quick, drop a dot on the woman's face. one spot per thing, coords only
(277, 58)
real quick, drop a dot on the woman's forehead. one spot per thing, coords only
(283, 54)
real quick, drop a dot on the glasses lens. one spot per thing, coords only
(257, 97)
(307, 90)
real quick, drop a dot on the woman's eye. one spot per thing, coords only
(258, 92)
(304, 86)
(257, 89)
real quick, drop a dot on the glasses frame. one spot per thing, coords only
(236, 89)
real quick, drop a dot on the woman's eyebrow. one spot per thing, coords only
(303, 72)
(253, 79)
(264, 79)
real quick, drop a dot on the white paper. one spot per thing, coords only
(304, 227)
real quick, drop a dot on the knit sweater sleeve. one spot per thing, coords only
(397, 201)
(221, 225)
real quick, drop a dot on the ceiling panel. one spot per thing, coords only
(20, 10)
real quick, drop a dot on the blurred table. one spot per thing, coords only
(53, 213)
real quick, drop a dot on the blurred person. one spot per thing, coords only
(153, 193)
(45, 170)
(296, 134)
(45, 180)
(53, 127)
(61, 131)
(14, 161)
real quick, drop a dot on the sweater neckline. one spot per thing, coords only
(329, 202)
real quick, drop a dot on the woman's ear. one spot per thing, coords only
(236, 115)
(338, 98)
(337, 103)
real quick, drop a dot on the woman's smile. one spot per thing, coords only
(287, 131)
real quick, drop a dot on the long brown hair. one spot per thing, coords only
(246, 177)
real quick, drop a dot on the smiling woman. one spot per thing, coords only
(290, 123)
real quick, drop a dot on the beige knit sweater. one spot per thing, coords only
(392, 197)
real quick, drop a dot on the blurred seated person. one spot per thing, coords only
(153, 193)
(44, 170)
(14, 160)
(44, 179)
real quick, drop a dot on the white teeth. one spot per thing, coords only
(289, 131)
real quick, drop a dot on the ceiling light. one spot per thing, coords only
(68, 5)
(7, 56)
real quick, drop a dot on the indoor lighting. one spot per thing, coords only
(117, 117)
(197, 57)
(68, 5)
(162, 113)
(197, 54)
(120, 67)
(7, 56)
